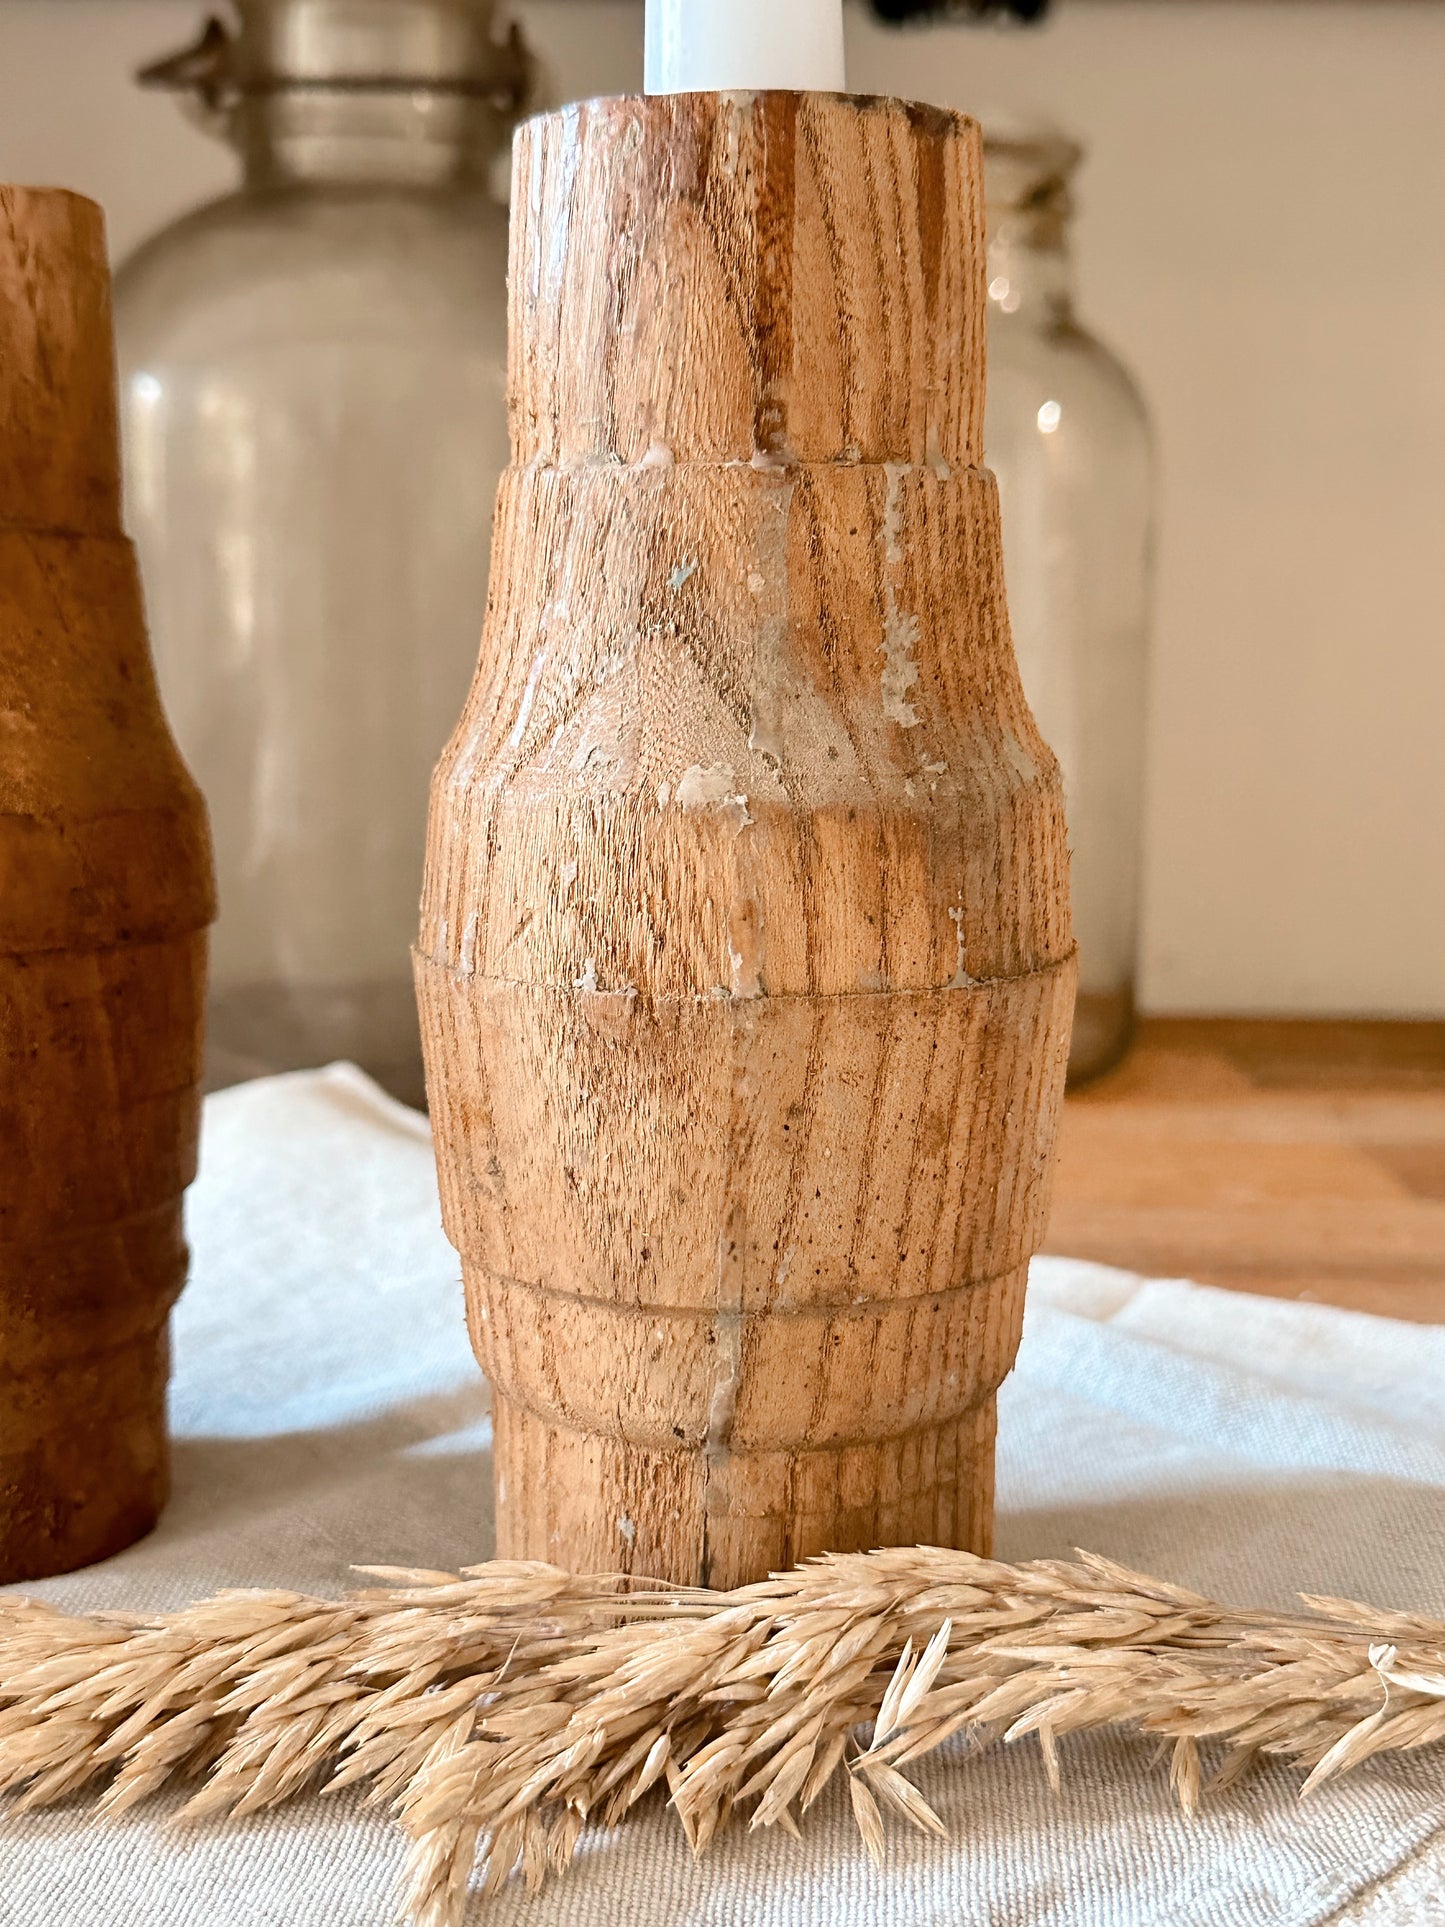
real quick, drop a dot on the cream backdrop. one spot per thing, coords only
(1262, 235)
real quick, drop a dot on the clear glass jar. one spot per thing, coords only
(313, 409)
(1068, 437)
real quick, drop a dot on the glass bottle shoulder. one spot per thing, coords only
(259, 265)
(1062, 363)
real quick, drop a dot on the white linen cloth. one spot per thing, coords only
(327, 1411)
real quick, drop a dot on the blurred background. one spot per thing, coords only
(1254, 225)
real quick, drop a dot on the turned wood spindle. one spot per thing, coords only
(105, 895)
(745, 965)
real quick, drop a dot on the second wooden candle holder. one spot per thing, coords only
(105, 895)
(745, 966)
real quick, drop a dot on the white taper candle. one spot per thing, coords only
(714, 46)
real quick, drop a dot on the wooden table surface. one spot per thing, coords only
(1303, 1159)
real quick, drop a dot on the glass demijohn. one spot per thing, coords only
(313, 375)
(1068, 437)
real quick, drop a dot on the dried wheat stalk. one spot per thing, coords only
(502, 1710)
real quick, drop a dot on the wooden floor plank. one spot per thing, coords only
(1298, 1158)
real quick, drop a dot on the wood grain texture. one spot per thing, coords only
(105, 893)
(745, 964)
(1300, 1158)
(58, 425)
(723, 276)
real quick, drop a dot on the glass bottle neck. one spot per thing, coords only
(417, 138)
(1030, 276)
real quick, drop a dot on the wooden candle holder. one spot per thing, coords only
(105, 894)
(745, 966)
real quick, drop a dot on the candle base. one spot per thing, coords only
(84, 1460)
(98, 1055)
(600, 1504)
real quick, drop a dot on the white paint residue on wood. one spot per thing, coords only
(703, 784)
(960, 979)
(745, 951)
(529, 697)
(727, 1350)
(467, 955)
(744, 967)
(900, 671)
(900, 630)
(892, 513)
(1022, 761)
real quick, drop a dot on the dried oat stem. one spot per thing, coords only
(501, 1710)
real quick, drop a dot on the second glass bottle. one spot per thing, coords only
(313, 373)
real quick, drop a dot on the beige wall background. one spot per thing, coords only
(1262, 236)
